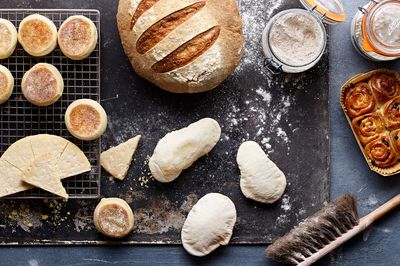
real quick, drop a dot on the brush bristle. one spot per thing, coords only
(316, 231)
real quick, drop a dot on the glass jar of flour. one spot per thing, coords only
(375, 30)
(294, 40)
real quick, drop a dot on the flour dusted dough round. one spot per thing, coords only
(113, 217)
(8, 38)
(261, 180)
(86, 119)
(209, 224)
(42, 85)
(179, 149)
(185, 46)
(77, 37)
(6, 84)
(38, 35)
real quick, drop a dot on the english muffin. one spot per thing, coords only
(86, 119)
(42, 85)
(8, 38)
(6, 84)
(38, 35)
(77, 37)
(113, 217)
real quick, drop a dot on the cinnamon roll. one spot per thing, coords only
(359, 100)
(381, 152)
(391, 113)
(395, 136)
(368, 127)
(385, 86)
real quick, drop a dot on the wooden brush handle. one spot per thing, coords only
(362, 225)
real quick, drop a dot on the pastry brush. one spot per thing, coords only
(324, 231)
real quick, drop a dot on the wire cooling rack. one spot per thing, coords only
(19, 118)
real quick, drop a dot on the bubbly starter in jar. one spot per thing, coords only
(296, 39)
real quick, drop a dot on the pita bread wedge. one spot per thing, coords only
(118, 159)
(44, 174)
(49, 145)
(20, 154)
(64, 158)
(10, 179)
(73, 161)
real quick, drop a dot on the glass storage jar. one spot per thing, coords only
(317, 12)
(375, 30)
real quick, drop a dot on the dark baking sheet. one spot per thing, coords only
(287, 115)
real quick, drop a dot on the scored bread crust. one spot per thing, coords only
(8, 38)
(202, 70)
(38, 35)
(42, 85)
(76, 43)
(6, 84)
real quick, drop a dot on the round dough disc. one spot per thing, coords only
(86, 119)
(6, 84)
(113, 217)
(38, 35)
(77, 37)
(8, 38)
(42, 85)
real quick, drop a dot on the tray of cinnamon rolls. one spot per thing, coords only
(371, 103)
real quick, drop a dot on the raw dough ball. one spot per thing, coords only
(209, 224)
(179, 149)
(42, 85)
(6, 84)
(37, 35)
(113, 217)
(77, 37)
(261, 180)
(86, 119)
(8, 38)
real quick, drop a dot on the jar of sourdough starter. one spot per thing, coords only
(294, 40)
(375, 30)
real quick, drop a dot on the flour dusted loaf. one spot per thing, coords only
(185, 46)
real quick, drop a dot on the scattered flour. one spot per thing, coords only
(266, 95)
(286, 205)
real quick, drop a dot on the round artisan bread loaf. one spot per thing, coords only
(185, 46)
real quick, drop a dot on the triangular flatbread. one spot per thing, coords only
(10, 179)
(48, 144)
(44, 174)
(20, 154)
(73, 162)
(118, 159)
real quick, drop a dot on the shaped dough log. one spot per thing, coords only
(179, 149)
(261, 180)
(209, 224)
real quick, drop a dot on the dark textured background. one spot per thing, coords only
(349, 173)
(134, 106)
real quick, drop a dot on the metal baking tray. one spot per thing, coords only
(19, 118)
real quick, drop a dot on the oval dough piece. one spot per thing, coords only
(113, 217)
(261, 180)
(8, 38)
(179, 149)
(86, 119)
(42, 85)
(77, 37)
(38, 35)
(6, 84)
(209, 224)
